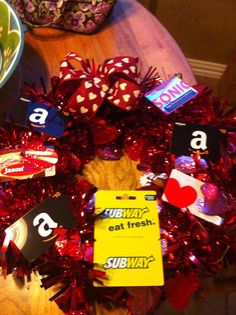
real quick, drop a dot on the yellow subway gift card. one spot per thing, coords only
(127, 238)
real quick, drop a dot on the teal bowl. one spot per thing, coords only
(11, 41)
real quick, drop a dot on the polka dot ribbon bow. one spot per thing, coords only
(114, 81)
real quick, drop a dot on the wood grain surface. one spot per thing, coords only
(129, 30)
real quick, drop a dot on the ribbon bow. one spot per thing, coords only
(114, 81)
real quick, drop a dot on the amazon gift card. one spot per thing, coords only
(38, 116)
(33, 233)
(184, 191)
(205, 140)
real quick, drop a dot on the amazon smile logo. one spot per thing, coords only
(38, 126)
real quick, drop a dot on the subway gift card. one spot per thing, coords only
(127, 238)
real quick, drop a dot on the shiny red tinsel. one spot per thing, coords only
(191, 247)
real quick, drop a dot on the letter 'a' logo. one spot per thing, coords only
(45, 224)
(39, 116)
(34, 233)
(199, 141)
(189, 139)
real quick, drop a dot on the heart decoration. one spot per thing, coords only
(95, 107)
(92, 95)
(123, 86)
(104, 133)
(116, 102)
(87, 84)
(181, 197)
(125, 94)
(83, 110)
(79, 98)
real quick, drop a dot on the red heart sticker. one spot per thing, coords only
(180, 197)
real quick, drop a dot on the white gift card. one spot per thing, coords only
(184, 191)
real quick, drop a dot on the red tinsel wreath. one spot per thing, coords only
(121, 122)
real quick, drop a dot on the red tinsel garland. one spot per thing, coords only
(191, 247)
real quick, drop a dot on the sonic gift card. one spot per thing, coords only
(127, 238)
(171, 94)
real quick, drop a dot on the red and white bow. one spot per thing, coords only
(114, 81)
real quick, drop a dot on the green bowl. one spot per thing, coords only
(11, 41)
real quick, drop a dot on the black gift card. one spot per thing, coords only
(40, 117)
(188, 139)
(33, 233)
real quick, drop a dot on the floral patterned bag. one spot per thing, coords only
(83, 16)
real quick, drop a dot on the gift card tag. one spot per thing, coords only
(33, 233)
(190, 139)
(21, 164)
(171, 95)
(40, 117)
(184, 191)
(127, 238)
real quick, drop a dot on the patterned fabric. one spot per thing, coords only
(83, 16)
